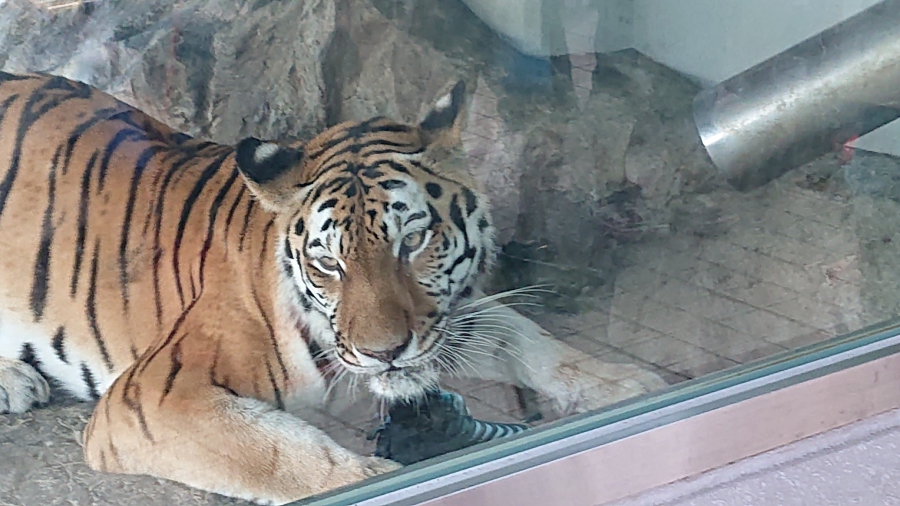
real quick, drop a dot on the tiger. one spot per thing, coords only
(201, 294)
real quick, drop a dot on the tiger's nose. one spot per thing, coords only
(386, 356)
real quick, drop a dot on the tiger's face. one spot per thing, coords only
(382, 240)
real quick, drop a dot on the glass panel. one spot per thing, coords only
(659, 213)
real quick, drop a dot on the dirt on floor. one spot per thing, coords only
(41, 464)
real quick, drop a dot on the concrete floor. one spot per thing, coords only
(856, 464)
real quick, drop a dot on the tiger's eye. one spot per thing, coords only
(410, 243)
(329, 264)
(414, 240)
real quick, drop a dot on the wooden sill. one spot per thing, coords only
(696, 444)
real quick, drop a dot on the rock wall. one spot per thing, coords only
(569, 176)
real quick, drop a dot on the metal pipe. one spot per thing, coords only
(806, 101)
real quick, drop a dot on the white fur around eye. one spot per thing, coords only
(265, 151)
(444, 102)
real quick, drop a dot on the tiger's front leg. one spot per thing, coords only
(528, 355)
(178, 425)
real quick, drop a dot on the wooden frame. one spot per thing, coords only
(697, 444)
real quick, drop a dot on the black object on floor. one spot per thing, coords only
(438, 424)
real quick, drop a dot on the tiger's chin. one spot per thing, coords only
(404, 384)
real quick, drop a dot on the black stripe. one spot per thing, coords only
(323, 168)
(284, 371)
(79, 130)
(468, 254)
(89, 381)
(415, 216)
(212, 373)
(210, 172)
(148, 358)
(265, 241)
(337, 182)
(470, 201)
(237, 200)
(390, 147)
(395, 166)
(359, 130)
(298, 227)
(41, 275)
(312, 283)
(175, 360)
(390, 144)
(157, 231)
(246, 225)
(137, 173)
(457, 218)
(82, 222)
(327, 147)
(277, 391)
(31, 113)
(154, 186)
(131, 398)
(111, 147)
(328, 204)
(394, 151)
(8, 77)
(435, 217)
(28, 356)
(91, 308)
(392, 184)
(4, 107)
(59, 343)
(210, 228)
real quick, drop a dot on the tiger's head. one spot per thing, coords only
(383, 236)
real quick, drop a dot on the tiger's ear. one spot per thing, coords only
(443, 122)
(273, 172)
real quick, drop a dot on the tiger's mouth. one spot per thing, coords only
(412, 376)
(404, 383)
(400, 380)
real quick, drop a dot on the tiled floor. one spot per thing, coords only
(692, 306)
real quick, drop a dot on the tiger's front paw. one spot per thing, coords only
(21, 387)
(357, 468)
(340, 468)
(376, 465)
(592, 384)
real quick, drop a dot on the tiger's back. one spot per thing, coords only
(100, 208)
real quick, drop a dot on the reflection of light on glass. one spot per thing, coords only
(714, 138)
(61, 4)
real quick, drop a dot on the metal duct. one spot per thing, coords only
(806, 101)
